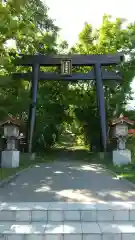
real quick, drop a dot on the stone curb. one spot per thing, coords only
(124, 180)
(10, 178)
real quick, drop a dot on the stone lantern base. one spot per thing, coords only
(10, 159)
(121, 157)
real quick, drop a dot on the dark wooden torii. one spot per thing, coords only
(66, 62)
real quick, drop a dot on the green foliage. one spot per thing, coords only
(111, 37)
(28, 25)
(51, 113)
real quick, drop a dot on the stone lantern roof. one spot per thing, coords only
(11, 120)
(121, 119)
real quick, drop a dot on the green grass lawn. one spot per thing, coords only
(124, 172)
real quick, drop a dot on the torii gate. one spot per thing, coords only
(66, 62)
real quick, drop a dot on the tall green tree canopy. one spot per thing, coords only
(110, 37)
(28, 25)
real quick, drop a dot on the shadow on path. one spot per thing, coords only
(66, 181)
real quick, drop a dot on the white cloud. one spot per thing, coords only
(70, 15)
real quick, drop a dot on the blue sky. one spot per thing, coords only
(70, 15)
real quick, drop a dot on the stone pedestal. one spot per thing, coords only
(121, 157)
(33, 156)
(10, 159)
(10, 144)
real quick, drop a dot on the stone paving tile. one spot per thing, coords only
(132, 205)
(57, 206)
(4, 226)
(72, 206)
(23, 228)
(73, 237)
(24, 205)
(54, 228)
(87, 206)
(34, 237)
(56, 216)
(92, 237)
(126, 205)
(68, 231)
(90, 227)
(72, 215)
(109, 236)
(72, 228)
(68, 237)
(92, 206)
(121, 215)
(67, 206)
(88, 215)
(53, 237)
(6, 215)
(128, 236)
(2, 237)
(103, 206)
(126, 227)
(39, 215)
(41, 205)
(60, 215)
(132, 215)
(14, 237)
(104, 215)
(23, 216)
(107, 227)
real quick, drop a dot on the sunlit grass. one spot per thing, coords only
(124, 172)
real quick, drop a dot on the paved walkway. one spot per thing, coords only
(66, 181)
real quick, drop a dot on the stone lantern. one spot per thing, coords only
(10, 156)
(119, 129)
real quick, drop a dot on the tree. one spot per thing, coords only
(111, 37)
(31, 29)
